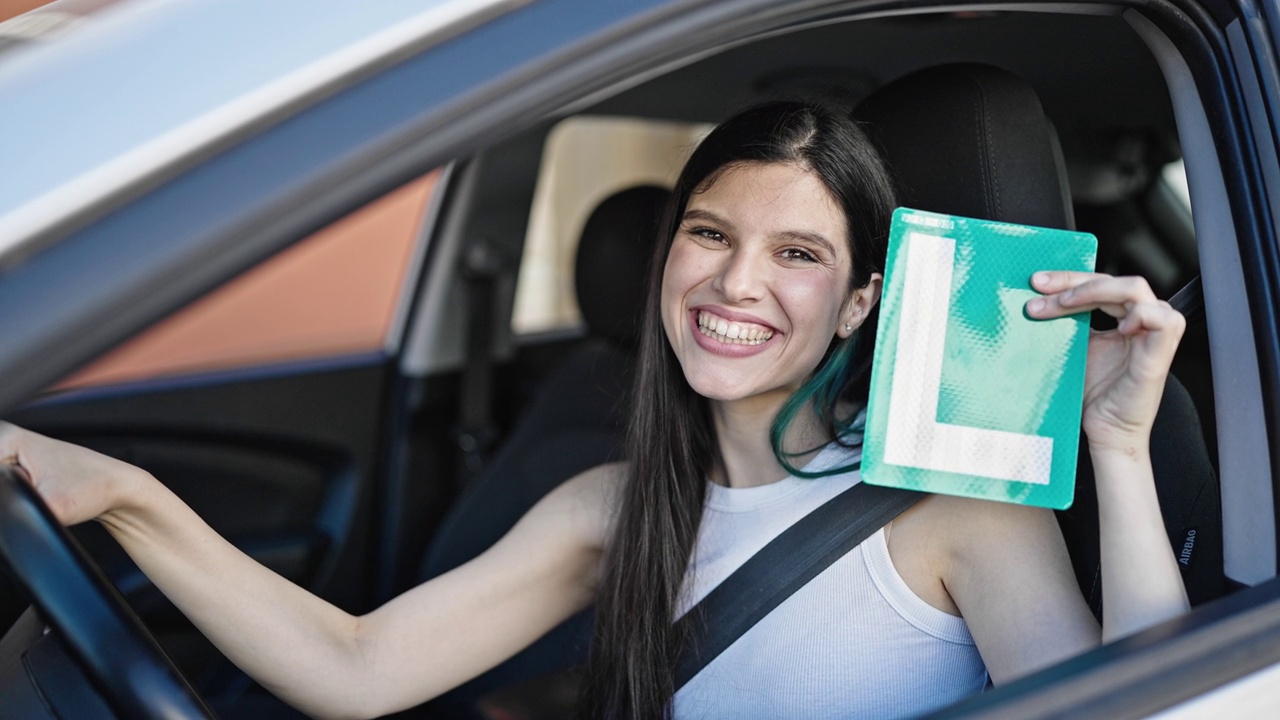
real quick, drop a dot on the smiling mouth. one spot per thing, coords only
(731, 333)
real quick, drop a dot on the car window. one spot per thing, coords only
(333, 293)
(1174, 175)
(586, 159)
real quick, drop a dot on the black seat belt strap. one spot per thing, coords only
(475, 432)
(780, 568)
(1189, 300)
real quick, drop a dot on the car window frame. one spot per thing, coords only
(519, 88)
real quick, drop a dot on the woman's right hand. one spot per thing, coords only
(76, 483)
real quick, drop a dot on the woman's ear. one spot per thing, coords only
(860, 303)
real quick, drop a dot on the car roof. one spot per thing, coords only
(183, 220)
(155, 81)
(1091, 71)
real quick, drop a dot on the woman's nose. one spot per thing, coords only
(741, 278)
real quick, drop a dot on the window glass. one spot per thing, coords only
(586, 159)
(333, 293)
(1175, 176)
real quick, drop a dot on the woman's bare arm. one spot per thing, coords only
(1009, 574)
(1141, 584)
(1007, 570)
(454, 627)
(1012, 579)
(1124, 380)
(313, 655)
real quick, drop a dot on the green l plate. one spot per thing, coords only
(968, 395)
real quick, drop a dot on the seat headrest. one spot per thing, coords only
(612, 264)
(971, 140)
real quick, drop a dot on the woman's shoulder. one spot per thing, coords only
(968, 524)
(945, 541)
(600, 485)
(967, 537)
(585, 503)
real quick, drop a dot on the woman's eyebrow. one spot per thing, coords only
(809, 237)
(707, 215)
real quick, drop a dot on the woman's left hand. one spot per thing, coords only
(1127, 367)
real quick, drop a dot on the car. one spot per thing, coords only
(313, 267)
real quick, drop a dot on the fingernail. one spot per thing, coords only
(1040, 278)
(1035, 305)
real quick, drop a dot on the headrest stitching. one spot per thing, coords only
(988, 155)
(981, 140)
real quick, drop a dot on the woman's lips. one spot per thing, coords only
(718, 334)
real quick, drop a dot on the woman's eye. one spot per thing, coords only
(799, 254)
(708, 233)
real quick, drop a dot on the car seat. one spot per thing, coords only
(574, 422)
(973, 140)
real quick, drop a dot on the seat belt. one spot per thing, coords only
(782, 567)
(475, 432)
(1189, 300)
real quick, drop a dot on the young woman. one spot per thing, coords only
(746, 373)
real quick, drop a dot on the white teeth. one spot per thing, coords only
(726, 332)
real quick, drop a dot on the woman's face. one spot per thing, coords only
(756, 283)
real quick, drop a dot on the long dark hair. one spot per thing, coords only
(671, 444)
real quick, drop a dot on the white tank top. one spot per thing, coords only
(855, 642)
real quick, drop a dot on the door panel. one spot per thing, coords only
(280, 460)
(283, 461)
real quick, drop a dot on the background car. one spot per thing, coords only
(313, 270)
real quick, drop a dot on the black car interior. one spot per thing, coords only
(349, 478)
